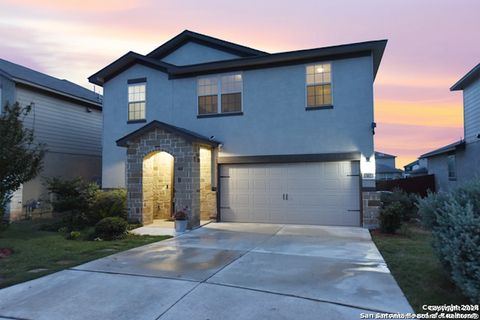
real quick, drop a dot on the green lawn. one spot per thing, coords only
(416, 268)
(34, 249)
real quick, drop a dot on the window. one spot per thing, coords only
(319, 85)
(220, 95)
(452, 172)
(136, 101)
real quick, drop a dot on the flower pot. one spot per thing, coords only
(181, 225)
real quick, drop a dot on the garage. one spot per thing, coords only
(320, 193)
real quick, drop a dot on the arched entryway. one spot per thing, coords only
(158, 186)
(186, 159)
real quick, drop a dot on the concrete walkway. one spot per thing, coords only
(221, 271)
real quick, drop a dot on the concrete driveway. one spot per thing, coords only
(221, 271)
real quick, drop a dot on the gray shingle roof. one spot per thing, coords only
(152, 125)
(448, 148)
(254, 60)
(379, 154)
(21, 74)
(467, 79)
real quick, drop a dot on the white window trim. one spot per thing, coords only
(306, 84)
(219, 93)
(144, 101)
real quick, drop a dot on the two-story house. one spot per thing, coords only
(238, 134)
(459, 162)
(385, 167)
(66, 118)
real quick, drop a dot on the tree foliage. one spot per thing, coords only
(20, 155)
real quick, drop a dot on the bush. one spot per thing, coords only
(73, 199)
(456, 235)
(428, 208)
(407, 202)
(111, 228)
(74, 235)
(111, 203)
(390, 217)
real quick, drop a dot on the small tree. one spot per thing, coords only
(20, 156)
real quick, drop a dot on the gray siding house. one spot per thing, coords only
(385, 167)
(459, 162)
(232, 133)
(66, 118)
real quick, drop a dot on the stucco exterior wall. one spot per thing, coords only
(274, 119)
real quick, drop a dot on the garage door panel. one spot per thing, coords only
(318, 193)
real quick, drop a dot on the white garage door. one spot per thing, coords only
(325, 193)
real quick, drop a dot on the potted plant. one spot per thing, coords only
(181, 220)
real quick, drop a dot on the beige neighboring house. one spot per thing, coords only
(67, 118)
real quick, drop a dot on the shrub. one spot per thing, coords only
(73, 199)
(428, 208)
(407, 202)
(111, 228)
(112, 203)
(74, 235)
(390, 217)
(456, 237)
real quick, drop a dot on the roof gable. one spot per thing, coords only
(155, 124)
(192, 53)
(190, 36)
(374, 49)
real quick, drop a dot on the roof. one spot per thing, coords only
(471, 76)
(446, 149)
(383, 155)
(187, 36)
(155, 124)
(411, 164)
(258, 61)
(382, 168)
(26, 76)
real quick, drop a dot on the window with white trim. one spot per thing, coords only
(136, 101)
(319, 85)
(220, 94)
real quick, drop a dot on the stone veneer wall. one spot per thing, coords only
(371, 207)
(208, 198)
(187, 174)
(157, 185)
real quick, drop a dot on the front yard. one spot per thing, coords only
(417, 270)
(37, 253)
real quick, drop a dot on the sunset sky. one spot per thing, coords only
(432, 44)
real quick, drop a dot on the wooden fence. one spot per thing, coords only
(418, 185)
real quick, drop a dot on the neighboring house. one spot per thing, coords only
(416, 168)
(66, 118)
(459, 162)
(237, 134)
(385, 167)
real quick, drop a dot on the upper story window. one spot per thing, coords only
(452, 170)
(220, 94)
(136, 101)
(319, 85)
